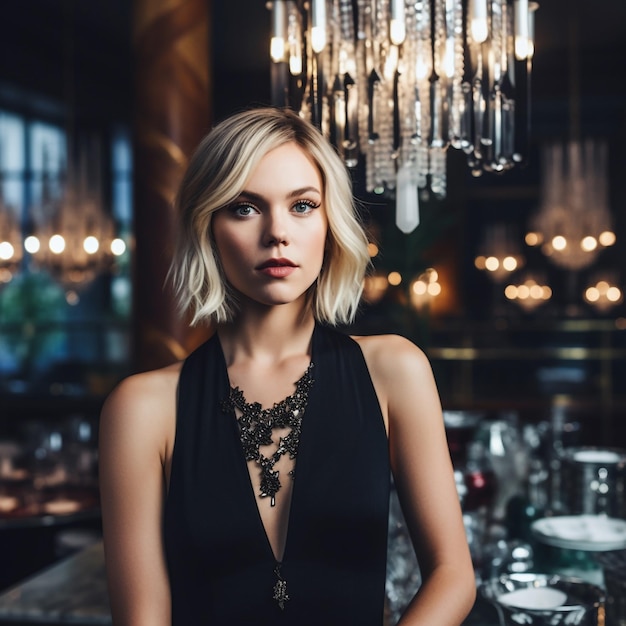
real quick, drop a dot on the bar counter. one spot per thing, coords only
(73, 591)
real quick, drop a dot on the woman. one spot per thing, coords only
(250, 483)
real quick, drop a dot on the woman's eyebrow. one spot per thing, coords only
(250, 195)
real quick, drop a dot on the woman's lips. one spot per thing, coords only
(277, 268)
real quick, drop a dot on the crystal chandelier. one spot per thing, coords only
(73, 237)
(400, 81)
(573, 222)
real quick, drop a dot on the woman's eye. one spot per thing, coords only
(243, 210)
(304, 206)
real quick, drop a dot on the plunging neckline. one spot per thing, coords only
(243, 463)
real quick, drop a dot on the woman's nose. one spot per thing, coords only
(276, 231)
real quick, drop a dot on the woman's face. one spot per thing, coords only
(271, 239)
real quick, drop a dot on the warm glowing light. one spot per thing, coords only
(295, 64)
(523, 291)
(118, 247)
(6, 251)
(613, 294)
(478, 20)
(521, 29)
(56, 244)
(419, 287)
(91, 245)
(607, 238)
(318, 38)
(533, 239)
(589, 243)
(397, 31)
(492, 263)
(536, 292)
(559, 242)
(394, 278)
(434, 289)
(479, 262)
(277, 49)
(509, 263)
(510, 291)
(592, 294)
(31, 244)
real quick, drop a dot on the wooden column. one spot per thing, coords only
(172, 113)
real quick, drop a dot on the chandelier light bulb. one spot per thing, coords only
(434, 289)
(6, 251)
(613, 294)
(492, 263)
(397, 28)
(607, 238)
(279, 31)
(394, 278)
(91, 245)
(32, 244)
(592, 294)
(118, 247)
(509, 263)
(318, 25)
(478, 21)
(589, 243)
(521, 29)
(419, 287)
(56, 244)
(277, 49)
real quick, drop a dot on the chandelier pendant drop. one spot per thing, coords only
(400, 81)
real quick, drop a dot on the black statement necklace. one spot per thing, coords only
(255, 430)
(256, 425)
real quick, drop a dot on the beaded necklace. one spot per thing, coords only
(255, 430)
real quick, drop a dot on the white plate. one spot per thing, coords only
(597, 533)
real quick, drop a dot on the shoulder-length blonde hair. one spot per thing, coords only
(217, 174)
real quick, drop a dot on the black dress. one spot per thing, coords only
(220, 562)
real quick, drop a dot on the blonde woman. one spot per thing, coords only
(250, 483)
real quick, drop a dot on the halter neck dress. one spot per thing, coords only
(220, 562)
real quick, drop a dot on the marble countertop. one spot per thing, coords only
(72, 591)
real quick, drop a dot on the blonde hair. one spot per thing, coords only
(216, 175)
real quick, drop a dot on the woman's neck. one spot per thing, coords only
(268, 337)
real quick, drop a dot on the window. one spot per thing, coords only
(53, 339)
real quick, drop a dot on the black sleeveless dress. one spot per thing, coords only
(220, 562)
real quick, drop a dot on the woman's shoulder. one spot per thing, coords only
(390, 353)
(144, 402)
(146, 387)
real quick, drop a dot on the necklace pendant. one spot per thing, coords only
(280, 588)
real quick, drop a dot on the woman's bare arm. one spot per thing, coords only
(136, 427)
(424, 479)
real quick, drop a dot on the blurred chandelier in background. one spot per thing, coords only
(573, 222)
(529, 291)
(499, 253)
(399, 81)
(73, 237)
(604, 293)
